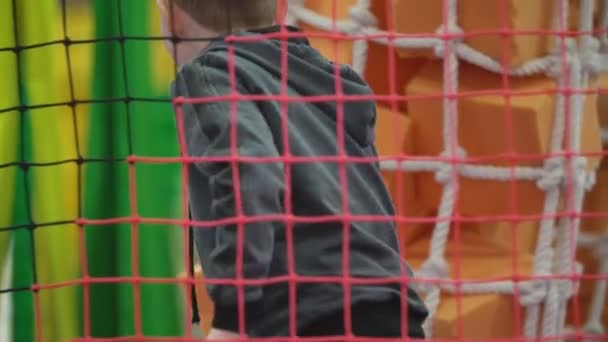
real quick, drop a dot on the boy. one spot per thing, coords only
(315, 187)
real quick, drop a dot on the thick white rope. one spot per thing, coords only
(584, 60)
(599, 246)
(603, 36)
(361, 23)
(565, 261)
(436, 265)
(545, 260)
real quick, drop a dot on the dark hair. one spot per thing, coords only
(229, 15)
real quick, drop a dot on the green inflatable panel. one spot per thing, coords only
(119, 128)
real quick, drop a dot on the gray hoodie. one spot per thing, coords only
(314, 185)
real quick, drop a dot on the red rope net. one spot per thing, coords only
(444, 96)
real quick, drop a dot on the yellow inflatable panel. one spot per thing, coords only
(472, 258)
(482, 133)
(519, 16)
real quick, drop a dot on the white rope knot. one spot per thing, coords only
(296, 4)
(600, 247)
(579, 268)
(553, 175)
(435, 268)
(594, 328)
(439, 48)
(533, 292)
(566, 288)
(579, 166)
(592, 60)
(590, 180)
(603, 41)
(445, 173)
(561, 57)
(293, 8)
(361, 16)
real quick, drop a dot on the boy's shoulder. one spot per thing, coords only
(202, 74)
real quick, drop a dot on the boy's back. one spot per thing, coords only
(315, 198)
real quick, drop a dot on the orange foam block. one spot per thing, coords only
(584, 302)
(602, 106)
(602, 100)
(337, 50)
(203, 301)
(511, 235)
(596, 203)
(381, 11)
(379, 73)
(575, 12)
(599, 12)
(574, 8)
(472, 258)
(326, 8)
(378, 70)
(596, 206)
(394, 138)
(519, 16)
(587, 288)
(482, 132)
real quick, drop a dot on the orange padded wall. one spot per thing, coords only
(482, 133)
(394, 137)
(602, 102)
(425, 17)
(334, 49)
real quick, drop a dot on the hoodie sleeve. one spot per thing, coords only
(209, 134)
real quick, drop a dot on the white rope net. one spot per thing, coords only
(543, 298)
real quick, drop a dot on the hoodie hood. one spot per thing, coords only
(309, 74)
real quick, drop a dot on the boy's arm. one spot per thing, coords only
(208, 134)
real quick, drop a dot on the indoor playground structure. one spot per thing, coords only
(492, 130)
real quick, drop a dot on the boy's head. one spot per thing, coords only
(208, 18)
